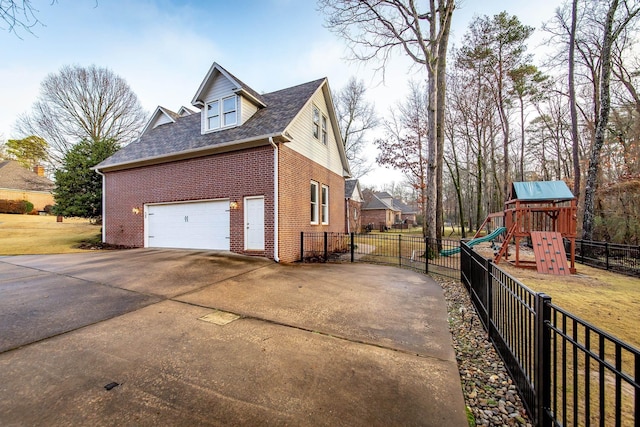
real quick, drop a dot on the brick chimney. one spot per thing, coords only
(39, 170)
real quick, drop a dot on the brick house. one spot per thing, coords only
(20, 183)
(381, 209)
(247, 172)
(353, 205)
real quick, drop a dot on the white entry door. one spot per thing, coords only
(254, 223)
(193, 225)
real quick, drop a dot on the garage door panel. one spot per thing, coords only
(195, 225)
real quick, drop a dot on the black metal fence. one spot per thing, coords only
(402, 250)
(624, 259)
(568, 371)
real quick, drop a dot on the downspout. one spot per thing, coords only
(276, 258)
(104, 218)
(348, 216)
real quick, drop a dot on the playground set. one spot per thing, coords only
(542, 212)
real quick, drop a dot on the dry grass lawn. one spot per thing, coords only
(34, 234)
(608, 300)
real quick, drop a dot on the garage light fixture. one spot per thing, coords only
(135, 210)
(233, 205)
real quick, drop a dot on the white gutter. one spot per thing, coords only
(104, 217)
(276, 258)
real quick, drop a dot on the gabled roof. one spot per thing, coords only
(351, 188)
(184, 139)
(403, 207)
(184, 111)
(377, 203)
(240, 87)
(16, 177)
(159, 117)
(541, 190)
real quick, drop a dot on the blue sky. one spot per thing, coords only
(163, 48)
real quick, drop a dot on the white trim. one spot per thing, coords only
(221, 125)
(197, 151)
(246, 235)
(276, 189)
(324, 221)
(178, 202)
(316, 207)
(104, 204)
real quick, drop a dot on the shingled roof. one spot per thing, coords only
(185, 134)
(16, 177)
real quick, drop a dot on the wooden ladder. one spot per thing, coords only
(505, 245)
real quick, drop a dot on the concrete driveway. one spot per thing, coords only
(316, 344)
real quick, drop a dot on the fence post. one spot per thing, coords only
(542, 359)
(302, 246)
(606, 253)
(353, 246)
(326, 246)
(426, 255)
(489, 290)
(582, 250)
(400, 250)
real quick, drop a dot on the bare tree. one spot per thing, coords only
(374, 29)
(614, 24)
(575, 152)
(356, 117)
(19, 15)
(79, 104)
(404, 146)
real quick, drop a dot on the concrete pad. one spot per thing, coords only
(174, 369)
(37, 305)
(162, 272)
(385, 306)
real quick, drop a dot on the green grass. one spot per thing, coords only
(35, 234)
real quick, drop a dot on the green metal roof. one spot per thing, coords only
(541, 190)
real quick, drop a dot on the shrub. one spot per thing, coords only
(48, 209)
(15, 206)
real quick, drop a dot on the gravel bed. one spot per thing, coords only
(489, 393)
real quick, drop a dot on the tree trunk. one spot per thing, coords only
(445, 24)
(572, 101)
(521, 138)
(432, 152)
(601, 128)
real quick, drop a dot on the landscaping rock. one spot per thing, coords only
(488, 389)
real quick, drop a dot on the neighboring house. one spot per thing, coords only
(20, 183)
(353, 205)
(247, 172)
(407, 213)
(379, 211)
(382, 209)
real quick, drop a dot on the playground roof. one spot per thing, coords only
(541, 190)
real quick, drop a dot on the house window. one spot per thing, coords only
(229, 110)
(213, 115)
(221, 113)
(316, 122)
(314, 202)
(325, 204)
(324, 130)
(355, 213)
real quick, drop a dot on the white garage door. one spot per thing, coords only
(195, 225)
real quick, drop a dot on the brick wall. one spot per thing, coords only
(295, 175)
(376, 216)
(229, 175)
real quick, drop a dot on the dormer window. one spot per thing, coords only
(213, 115)
(229, 108)
(221, 113)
